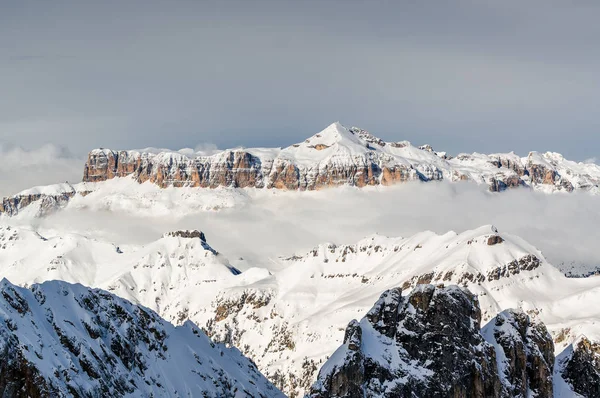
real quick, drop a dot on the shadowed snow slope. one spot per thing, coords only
(287, 315)
(66, 340)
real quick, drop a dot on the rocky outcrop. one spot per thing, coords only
(231, 168)
(195, 234)
(187, 234)
(582, 368)
(526, 263)
(335, 156)
(525, 353)
(502, 183)
(427, 344)
(465, 278)
(494, 240)
(63, 340)
(47, 203)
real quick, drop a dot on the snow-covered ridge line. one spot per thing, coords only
(287, 316)
(63, 340)
(341, 156)
(337, 156)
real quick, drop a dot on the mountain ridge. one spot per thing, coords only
(60, 339)
(286, 316)
(336, 156)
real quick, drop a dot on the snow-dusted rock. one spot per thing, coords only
(333, 157)
(289, 314)
(64, 340)
(427, 344)
(341, 156)
(580, 367)
(47, 198)
(525, 354)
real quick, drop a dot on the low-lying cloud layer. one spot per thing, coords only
(21, 169)
(268, 223)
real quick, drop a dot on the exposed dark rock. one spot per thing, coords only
(189, 234)
(527, 354)
(494, 240)
(526, 263)
(48, 203)
(582, 369)
(425, 345)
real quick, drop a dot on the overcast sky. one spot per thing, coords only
(462, 75)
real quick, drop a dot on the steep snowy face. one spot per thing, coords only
(63, 340)
(178, 268)
(333, 157)
(427, 344)
(287, 315)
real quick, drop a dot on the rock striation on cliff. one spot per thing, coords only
(339, 156)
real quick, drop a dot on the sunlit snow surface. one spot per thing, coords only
(291, 303)
(312, 296)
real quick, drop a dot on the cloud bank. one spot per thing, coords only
(266, 224)
(49, 164)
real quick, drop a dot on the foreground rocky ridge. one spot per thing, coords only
(525, 354)
(334, 157)
(289, 317)
(425, 345)
(429, 344)
(64, 340)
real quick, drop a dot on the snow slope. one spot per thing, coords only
(287, 316)
(66, 340)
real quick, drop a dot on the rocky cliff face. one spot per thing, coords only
(525, 354)
(582, 368)
(337, 156)
(63, 340)
(427, 345)
(47, 203)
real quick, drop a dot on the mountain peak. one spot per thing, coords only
(331, 135)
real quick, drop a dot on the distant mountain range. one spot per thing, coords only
(333, 157)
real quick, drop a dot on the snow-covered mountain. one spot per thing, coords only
(64, 340)
(288, 315)
(429, 344)
(333, 157)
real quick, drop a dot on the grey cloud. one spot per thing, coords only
(49, 164)
(462, 75)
